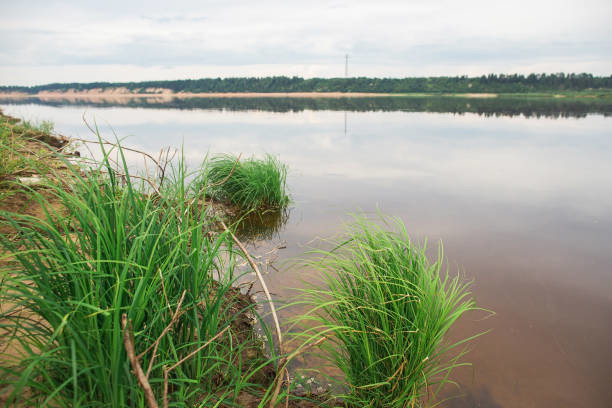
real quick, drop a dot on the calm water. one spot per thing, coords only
(522, 204)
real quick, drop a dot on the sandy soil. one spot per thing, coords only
(474, 95)
(160, 95)
(121, 93)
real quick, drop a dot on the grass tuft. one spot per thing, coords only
(105, 247)
(11, 161)
(251, 184)
(24, 147)
(389, 309)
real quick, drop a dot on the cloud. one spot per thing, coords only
(396, 35)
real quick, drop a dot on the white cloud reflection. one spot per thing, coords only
(543, 162)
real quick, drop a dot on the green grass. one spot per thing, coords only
(107, 249)
(251, 184)
(388, 309)
(15, 156)
(45, 126)
(11, 162)
(111, 244)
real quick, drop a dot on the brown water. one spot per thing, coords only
(522, 205)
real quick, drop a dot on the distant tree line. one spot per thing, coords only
(461, 84)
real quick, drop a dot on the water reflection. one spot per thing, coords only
(260, 226)
(561, 107)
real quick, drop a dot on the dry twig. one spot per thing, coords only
(261, 281)
(97, 133)
(181, 361)
(175, 316)
(283, 369)
(140, 376)
(283, 361)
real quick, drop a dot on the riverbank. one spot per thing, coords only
(131, 294)
(161, 94)
(67, 232)
(524, 103)
(166, 93)
(28, 155)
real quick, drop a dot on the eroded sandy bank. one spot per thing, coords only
(160, 94)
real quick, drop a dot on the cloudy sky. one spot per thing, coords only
(61, 41)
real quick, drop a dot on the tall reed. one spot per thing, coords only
(106, 247)
(388, 309)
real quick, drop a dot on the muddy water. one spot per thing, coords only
(523, 206)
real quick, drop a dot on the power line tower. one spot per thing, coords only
(346, 66)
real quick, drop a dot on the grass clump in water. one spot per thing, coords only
(388, 308)
(251, 184)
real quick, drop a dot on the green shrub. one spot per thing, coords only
(388, 308)
(249, 184)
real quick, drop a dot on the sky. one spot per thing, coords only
(85, 41)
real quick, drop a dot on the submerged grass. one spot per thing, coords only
(249, 184)
(107, 248)
(388, 308)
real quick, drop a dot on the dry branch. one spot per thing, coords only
(129, 348)
(229, 174)
(263, 284)
(173, 320)
(102, 141)
(283, 361)
(196, 351)
(187, 357)
(283, 369)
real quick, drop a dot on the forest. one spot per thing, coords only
(492, 83)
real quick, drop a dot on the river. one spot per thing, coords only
(521, 198)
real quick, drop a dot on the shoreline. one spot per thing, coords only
(166, 94)
(160, 95)
(237, 310)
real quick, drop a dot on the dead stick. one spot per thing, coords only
(194, 352)
(263, 284)
(129, 348)
(272, 309)
(167, 370)
(97, 133)
(229, 174)
(165, 387)
(156, 344)
(288, 388)
(283, 368)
